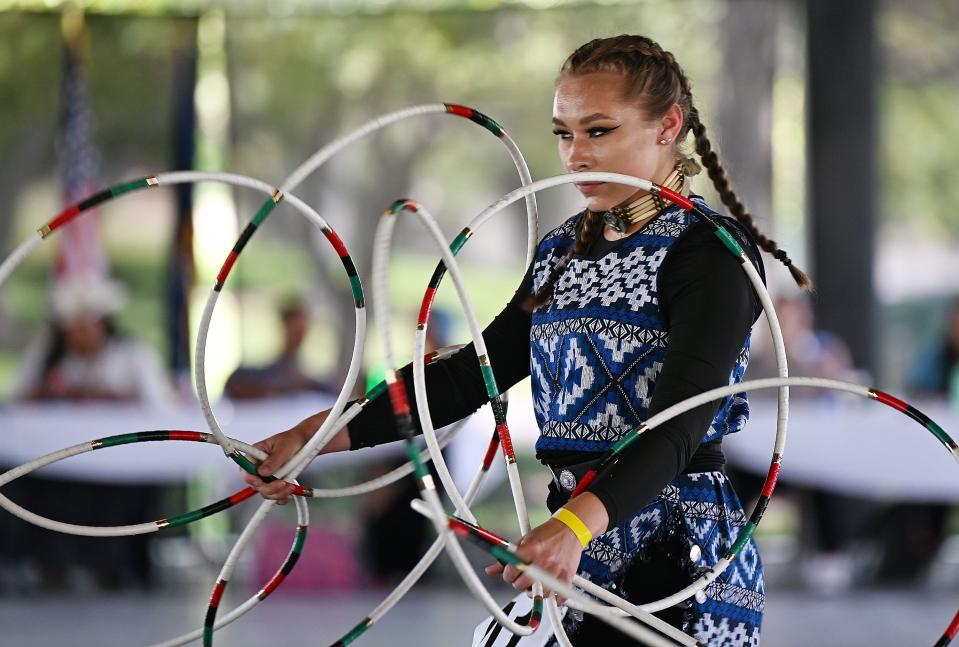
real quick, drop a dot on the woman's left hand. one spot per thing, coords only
(551, 546)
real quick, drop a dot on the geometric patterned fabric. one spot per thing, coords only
(598, 345)
(597, 348)
(700, 513)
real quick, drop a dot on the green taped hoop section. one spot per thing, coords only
(625, 441)
(264, 212)
(357, 288)
(413, 455)
(120, 189)
(459, 241)
(207, 635)
(489, 380)
(376, 391)
(122, 439)
(299, 541)
(356, 631)
(490, 125)
(248, 466)
(744, 536)
(184, 519)
(730, 242)
(505, 556)
(940, 433)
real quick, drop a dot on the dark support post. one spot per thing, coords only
(181, 271)
(842, 169)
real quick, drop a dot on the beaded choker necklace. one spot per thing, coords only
(621, 217)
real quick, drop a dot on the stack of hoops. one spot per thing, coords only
(635, 621)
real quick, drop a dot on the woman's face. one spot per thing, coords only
(599, 131)
(86, 335)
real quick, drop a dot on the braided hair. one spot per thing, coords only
(587, 230)
(655, 80)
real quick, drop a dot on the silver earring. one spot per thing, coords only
(664, 141)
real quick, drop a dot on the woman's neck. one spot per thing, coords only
(640, 208)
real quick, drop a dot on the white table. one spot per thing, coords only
(843, 444)
(28, 432)
(853, 446)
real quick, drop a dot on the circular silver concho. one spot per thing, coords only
(567, 480)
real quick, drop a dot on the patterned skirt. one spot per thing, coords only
(680, 535)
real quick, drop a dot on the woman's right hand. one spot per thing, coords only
(284, 446)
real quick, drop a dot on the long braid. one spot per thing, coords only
(587, 232)
(657, 81)
(717, 174)
(729, 198)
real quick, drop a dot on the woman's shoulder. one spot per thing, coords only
(700, 235)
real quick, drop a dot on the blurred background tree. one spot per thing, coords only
(298, 75)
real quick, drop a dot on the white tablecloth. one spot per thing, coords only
(853, 446)
(28, 432)
(846, 444)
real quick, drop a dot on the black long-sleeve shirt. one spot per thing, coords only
(708, 307)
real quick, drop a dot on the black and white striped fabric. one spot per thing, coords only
(490, 634)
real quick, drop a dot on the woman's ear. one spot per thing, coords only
(671, 124)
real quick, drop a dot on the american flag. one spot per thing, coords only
(80, 250)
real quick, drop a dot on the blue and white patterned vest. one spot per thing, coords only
(598, 345)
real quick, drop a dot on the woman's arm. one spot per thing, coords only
(455, 385)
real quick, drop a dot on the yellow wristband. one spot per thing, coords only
(575, 524)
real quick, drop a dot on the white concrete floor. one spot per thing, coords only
(434, 617)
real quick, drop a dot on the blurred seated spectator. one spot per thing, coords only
(283, 376)
(82, 357)
(809, 352)
(932, 373)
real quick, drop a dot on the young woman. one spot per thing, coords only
(628, 308)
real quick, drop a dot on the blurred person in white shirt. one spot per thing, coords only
(82, 356)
